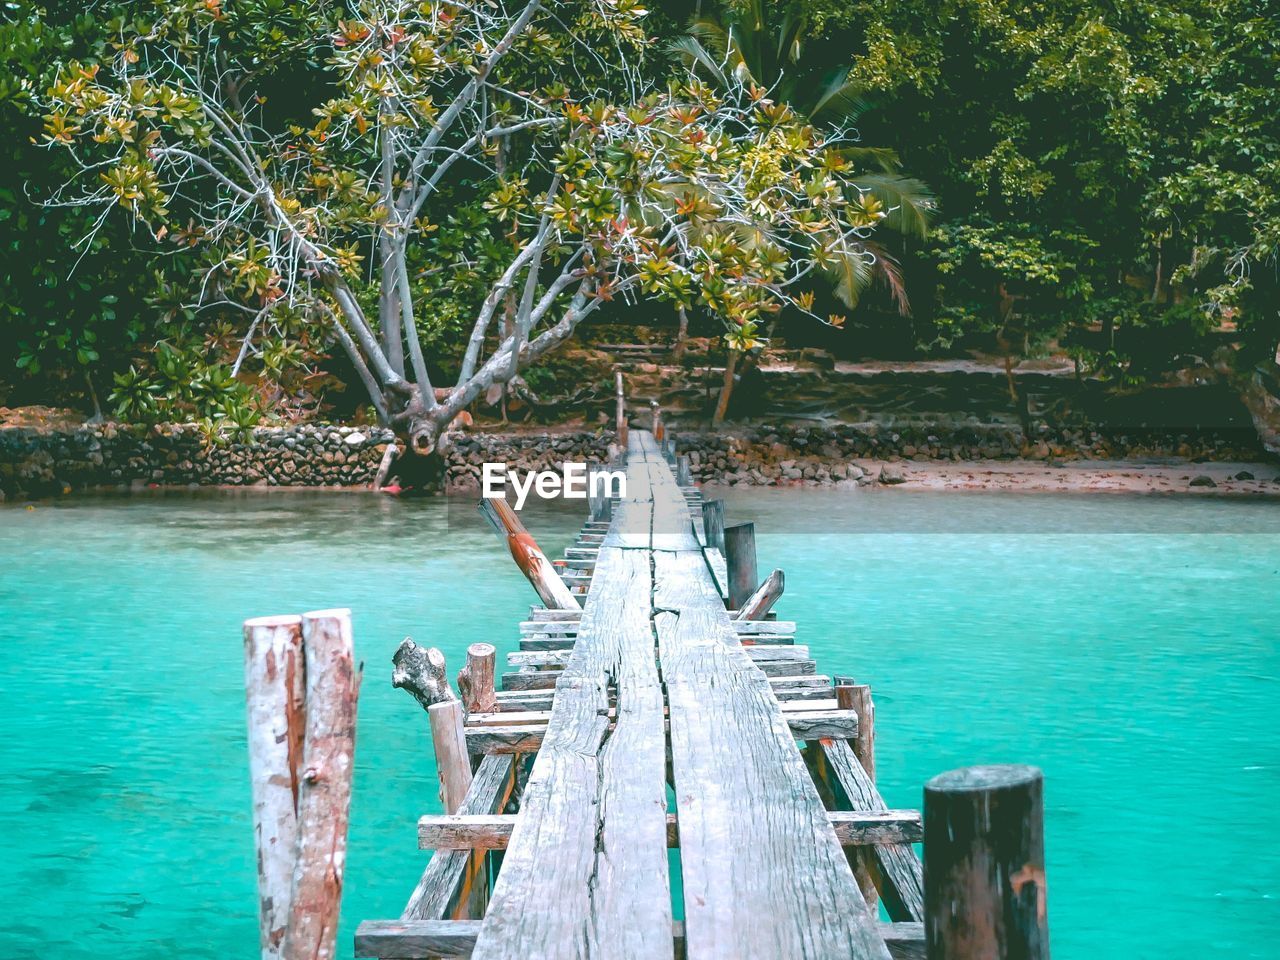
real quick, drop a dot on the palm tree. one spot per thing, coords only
(770, 56)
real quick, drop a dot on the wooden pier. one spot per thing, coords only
(662, 773)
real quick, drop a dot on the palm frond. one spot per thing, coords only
(886, 158)
(850, 274)
(693, 54)
(841, 100)
(888, 271)
(909, 202)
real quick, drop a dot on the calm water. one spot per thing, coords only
(1134, 653)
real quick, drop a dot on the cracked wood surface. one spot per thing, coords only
(585, 872)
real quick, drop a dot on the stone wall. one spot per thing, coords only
(37, 462)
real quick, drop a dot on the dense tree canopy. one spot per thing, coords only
(1107, 178)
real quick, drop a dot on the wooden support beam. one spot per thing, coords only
(452, 878)
(740, 560)
(276, 696)
(522, 732)
(765, 596)
(529, 558)
(475, 680)
(984, 879)
(493, 831)
(899, 877)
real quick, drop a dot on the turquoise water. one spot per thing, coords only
(1133, 654)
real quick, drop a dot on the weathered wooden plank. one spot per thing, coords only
(426, 939)
(525, 731)
(416, 939)
(585, 873)
(899, 877)
(759, 653)
(493, 831)
(760, 861)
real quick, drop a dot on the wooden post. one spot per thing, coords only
(684, 476)
(600, 506)
(740, 561)
(713, 523)
(659, 432)
(421, 671)
(275, 683)
(384, 466)
(531, 560)
(984, 882)
(620, 416)
(669, 449)
(475, 680)
(324, 797)
(453, 765)
(761, 602)
(857, 697)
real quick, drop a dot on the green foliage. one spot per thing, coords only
(184, 385)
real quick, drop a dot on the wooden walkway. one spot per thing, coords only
(654, 726)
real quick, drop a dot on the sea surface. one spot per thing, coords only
(1130, 646)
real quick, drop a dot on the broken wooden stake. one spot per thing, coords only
(984, 881)
(475, 680)
(420, 670)
(533, 563)
(275, 684)
(761, 602)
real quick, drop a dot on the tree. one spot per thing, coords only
(681, 192)
(766, 52)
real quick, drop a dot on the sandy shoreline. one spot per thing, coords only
(1082, 476)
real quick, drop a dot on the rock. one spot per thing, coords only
(891, 474)
(1203, 480)
(1243, 475)
(354, 439)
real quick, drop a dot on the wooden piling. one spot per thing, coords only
(984, 881)
(600, 505)
(324, 796)
(620, 415)
(684, 476)
(857, 697)
(659, 431)
(275, 684)
(475, 680)
(740, 561)
(453, 765)
(713, 523)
